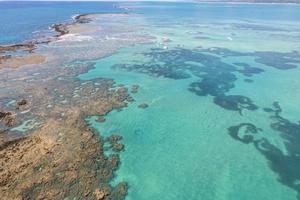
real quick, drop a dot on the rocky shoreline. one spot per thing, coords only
(9, 60)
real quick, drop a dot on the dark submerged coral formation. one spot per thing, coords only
(143, 105)
(286, 165)
(235, 102)
(278, 60)
(216, 77)
(135, 88)
(114, 141)
(247, 136)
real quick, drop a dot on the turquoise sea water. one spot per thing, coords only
(222, 85)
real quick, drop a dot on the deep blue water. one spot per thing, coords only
(20, 20)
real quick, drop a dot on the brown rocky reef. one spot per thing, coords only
(61, 157)
(47, 150)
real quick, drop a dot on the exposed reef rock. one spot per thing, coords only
(4, 114)
(61, 29)
(63, 158)
(47, 151)
(55, 162)
(8, 60)
(22, 104)
(6, 119)
(29, 47)
(17, 61)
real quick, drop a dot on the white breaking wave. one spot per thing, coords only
(74, 38)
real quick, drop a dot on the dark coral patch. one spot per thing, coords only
(242, 64)
(250, 71)
(216, 77)
(247, 80)
(278, 60)
(235, 102)
(243, 132)
(213, 85)
(285, 164)
(202, 37)
(257, 27)
(156, 70)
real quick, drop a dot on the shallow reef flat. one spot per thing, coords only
(47, 151)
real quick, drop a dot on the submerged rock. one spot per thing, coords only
(248, 80)
(117, 147)
(22, 102)
(100, 119)
(4, 114)
(114, 138)
(143, 105)
(7, 118)
(135, 88)
(130, 99)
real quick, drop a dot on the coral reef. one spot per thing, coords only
(47, 151)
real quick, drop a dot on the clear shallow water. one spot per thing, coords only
(212, 129)
(179, 146)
